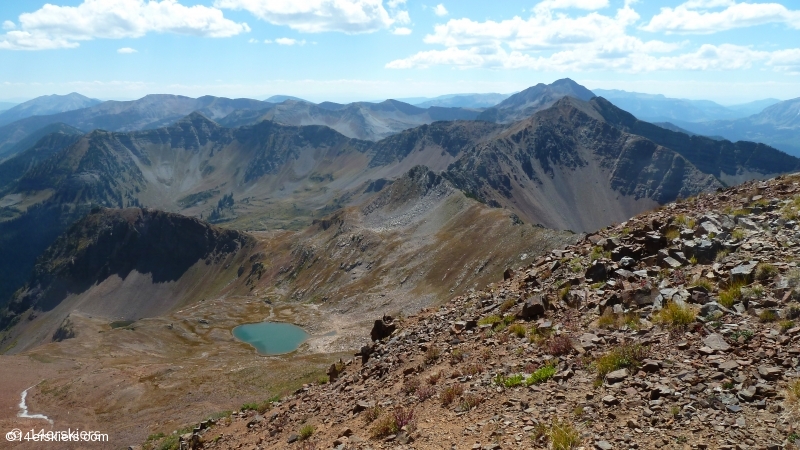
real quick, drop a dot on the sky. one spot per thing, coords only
(729, 51)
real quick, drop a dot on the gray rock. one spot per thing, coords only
(626, 262)
(716, 342)
(292, 438)
(533, 308)
(610, 400)
(603, 445)
(744, 271)
(617, 376)
(769, 373)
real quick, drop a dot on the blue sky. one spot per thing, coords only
(729, 51)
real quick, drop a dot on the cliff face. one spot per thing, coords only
(112, 242)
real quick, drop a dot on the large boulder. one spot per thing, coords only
(383, 328)
(533, 308)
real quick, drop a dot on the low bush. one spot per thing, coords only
(305, 432)
(622, 357)
(541, 375)
(676, 316)
(559, 345)
(451, 393)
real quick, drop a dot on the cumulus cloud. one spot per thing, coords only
(704, 16)
(127, 50)
(64, 26)
(551, 41)
(289, 41)
(9, 25)
(579, 4)
(402, 31)
(440, 10)
(317, 16)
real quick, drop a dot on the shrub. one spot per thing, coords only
(563, 435)
(411, 385)
(737, 234)
(607, 320)
(559, 345)
(404, 418)
(261, 408)
(432, 354)
(721, 255)
(305, 432)
(765, 271)
(371, 414)
(385, 426)
(732, 294)
(425, 392)
(693, 260)
(704, 283)
(541, 375)
(472, 369)
(434, 377)
(518, 330)
(323, 379)
(676, 316)
(508, 304)
(767, 316)
(793, 391)
(509, 381)
(469, 402)
(508, 319)
(745, 335)
(457, 355)
(786, 325)
(451, 393)
(622, 357)
(672, 234)
(490, 320)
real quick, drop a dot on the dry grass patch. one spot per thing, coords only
(676, 316)
(623, 357)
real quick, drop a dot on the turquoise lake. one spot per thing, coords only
(271, 338)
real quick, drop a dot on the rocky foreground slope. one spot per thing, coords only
(675, 329)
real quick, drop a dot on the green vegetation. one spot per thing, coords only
(305, 432)
(609, 320)
(768, 316)
(509, 381)
(372, 414)
(672, 234)
(721, 255)
(745, 335)
(597, 253)
(786, 325)
(738, 234)
(732, 294)
(432, 354)
(622, 357)
(457, 355)
(765, 271)
(450, 393)
(704, 283)
(261, 408)
(121, 324)
(676, 316)
(490, 320)
(508, 304)
(541, 375)
(563, 435)
(517, 330)
(193, 199)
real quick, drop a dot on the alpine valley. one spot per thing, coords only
(136, 235)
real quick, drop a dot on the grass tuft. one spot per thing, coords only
(676, 316)
(306, 431)
(541, 375)
(622, 357)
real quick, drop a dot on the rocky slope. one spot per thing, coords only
(675, 329)
(149, 253)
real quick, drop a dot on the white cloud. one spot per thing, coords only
(127, 50)
(9, 25)
(253, 41)
(64, 26)
(289, 41)
(402, 31)
(395, 3)
(440, 10)
(317, 16)
(268, 41)
(579, 4)
(697, 17)
(592, 41)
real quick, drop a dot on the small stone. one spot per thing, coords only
(292, 438)
(610, 400)
(734, 408)
(770, 373)
(603, 445)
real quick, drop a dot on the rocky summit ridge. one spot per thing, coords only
(675, 329)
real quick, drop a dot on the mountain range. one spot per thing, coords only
(600, 160)
(658, 108)
(137, 235)
(46, 105)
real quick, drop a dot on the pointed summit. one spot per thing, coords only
(535, 98)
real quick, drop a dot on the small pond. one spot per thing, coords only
(271, 338)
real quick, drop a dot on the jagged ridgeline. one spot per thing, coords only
(572, 164)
